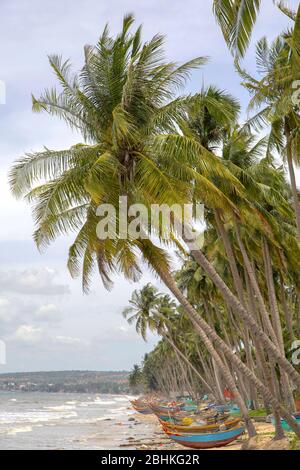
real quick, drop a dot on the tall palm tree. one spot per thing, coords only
(199, 256)
(272, 93)
(156, 312)
(124, 103)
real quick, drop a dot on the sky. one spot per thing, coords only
(45, 320)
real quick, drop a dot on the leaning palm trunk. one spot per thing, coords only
(217, 379)
(187, 385)
(210, 376)
(231, 258)
(272, 295)
(287, 312)
(208, 335)
(256, 289)
(224, 370)
(289, 155)
(239, 288)
(279, 432)
(188, 363)
(245, 316)
(288, 395)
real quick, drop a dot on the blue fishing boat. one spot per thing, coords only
(221, 408)
(285, 425)
(234, 410)
(207, 440)
(190, 407)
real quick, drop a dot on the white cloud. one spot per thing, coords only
(28, 334)
(70, 341)
(40, 281)
(48, 312)
(4, 302)
(5, 311)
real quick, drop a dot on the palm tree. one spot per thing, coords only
(194, 127)
(272, 93)
(124, 103)
(157, 312)
(135, 378)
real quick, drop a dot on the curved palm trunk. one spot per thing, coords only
(207, 335)
(239, 288)
(287, 311)
(208, 365)
(289, 155)
(272, 295)
(184, 371)
(298, 313)
(255, 287)
(279, 432)
(287, 392)
(217, 380)
(231, 258)
(187, 361)
(245, 316)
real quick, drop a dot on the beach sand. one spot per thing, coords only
(145, 433)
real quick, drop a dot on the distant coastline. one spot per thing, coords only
(108, 382)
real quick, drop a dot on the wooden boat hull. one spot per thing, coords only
(144, 411)
(171, 418)
(207, 441)
(200, 429)
(222, 408)
(191, 408)
(141, 408)
(165, 410)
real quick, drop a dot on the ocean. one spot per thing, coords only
(64, 421)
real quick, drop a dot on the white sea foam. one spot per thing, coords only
(17, 430)
(104, 402)
(60, 408)
(35, 416)
(97, 401)
(116, 411)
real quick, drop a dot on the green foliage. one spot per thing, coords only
(294, 443)
(236, 19)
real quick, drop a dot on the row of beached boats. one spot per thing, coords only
(191, 425)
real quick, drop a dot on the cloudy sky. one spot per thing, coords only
(45, 321)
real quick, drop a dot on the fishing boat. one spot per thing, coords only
(166, 412)
(175, 417)
(234, 410)
(188, 404)
(167, 408)
(194, 429)
(190, 407)
(221, 408)
(207, 440)
(141, 406)
(285, 425)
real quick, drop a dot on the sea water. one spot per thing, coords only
(34, 420)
